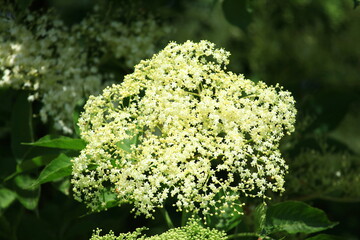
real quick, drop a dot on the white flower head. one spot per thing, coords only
(181, 127)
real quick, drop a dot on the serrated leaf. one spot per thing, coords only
(58, 168)
(60, 142)
(260, 218)
(296, 217)
(324, 237)
(6, 197)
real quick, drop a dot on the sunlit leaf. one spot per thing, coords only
(6, 197)
(58, 168)
(60, 142)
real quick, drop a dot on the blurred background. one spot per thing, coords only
(310, 47)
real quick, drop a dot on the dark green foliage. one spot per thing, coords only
(295, 217)
(23, 4)
(238, 12)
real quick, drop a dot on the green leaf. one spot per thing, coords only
(226, 216)
(27, 194)
(6, 197)
(324, 237)
(60, 142)
(63, 186)
(260, 218)
(109, 199)
(238, 12)
(58, 168)
(234, 218)
(34, 163)
(25, 182)
(21, 126)
(296, 217)
(29, 199)
(126, 143)
(31, 164)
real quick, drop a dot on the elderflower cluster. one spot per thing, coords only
(182, 127)
(61, 65)
(192, 231)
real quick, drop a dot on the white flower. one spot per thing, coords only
(181, 126)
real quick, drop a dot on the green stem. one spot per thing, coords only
(195, 94)
(167, 218)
